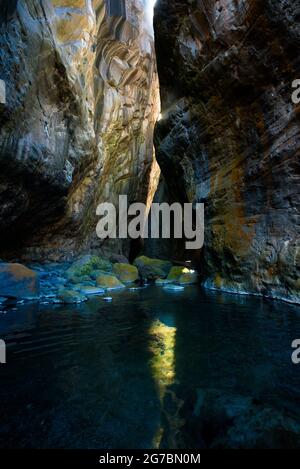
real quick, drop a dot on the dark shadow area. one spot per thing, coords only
(7, 9)
(235, 385)
(77, 377)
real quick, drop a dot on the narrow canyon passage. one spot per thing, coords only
(136, 343)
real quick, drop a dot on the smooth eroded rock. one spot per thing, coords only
(118, 259)
(17, 281)
(152, 269)
(109, 282)
(86, 265)
(82, 102)
(71, 297)
(183, 276)
(126, 273)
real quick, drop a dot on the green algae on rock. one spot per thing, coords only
(85, 265)
(71, 297)
(183, 276)
(109, 282)
(152, 269)
(126, 273)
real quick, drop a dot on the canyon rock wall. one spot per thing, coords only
(229, 134)
(77, 126)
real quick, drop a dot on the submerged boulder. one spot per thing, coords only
(152, 269)
(17, 281)
(172, 287)
(161, 282)
(69, 297)
(126, 273)
(90, 290)
(109, 282)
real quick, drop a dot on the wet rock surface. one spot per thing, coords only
(17, 281)
(77, 126)
(229, 135)
(152, 269)
(214, 419)
(88, 275)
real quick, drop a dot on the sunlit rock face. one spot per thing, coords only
(229, 135)
(77, 127)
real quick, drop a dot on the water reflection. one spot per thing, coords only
(151, 369)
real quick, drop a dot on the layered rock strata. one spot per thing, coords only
(229, 135)
(77, 126)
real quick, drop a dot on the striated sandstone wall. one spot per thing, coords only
(230, 137)
(77, 127)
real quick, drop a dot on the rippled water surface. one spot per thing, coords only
(151, 369)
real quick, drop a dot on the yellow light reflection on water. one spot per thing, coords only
(163, 366)
(162, 347)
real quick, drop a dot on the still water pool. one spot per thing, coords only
(151, 369)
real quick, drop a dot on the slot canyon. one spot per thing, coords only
(142, 343)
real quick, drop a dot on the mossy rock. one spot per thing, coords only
(109, 282)
(183, 276)
(70, 297)
(126, 273)
(218, 281)
(77, 279)
(152, 269)
(175, 273)
(189, 278)
(85, 265)
(95, 274)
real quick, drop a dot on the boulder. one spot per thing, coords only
(189, 278)
(17, 281)
(118, 259)
(71, 297)
(109, 282)
(175, 273)
(152, 269)
(87, 264)
(183, 276)
(95, 274)
(126, 273)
